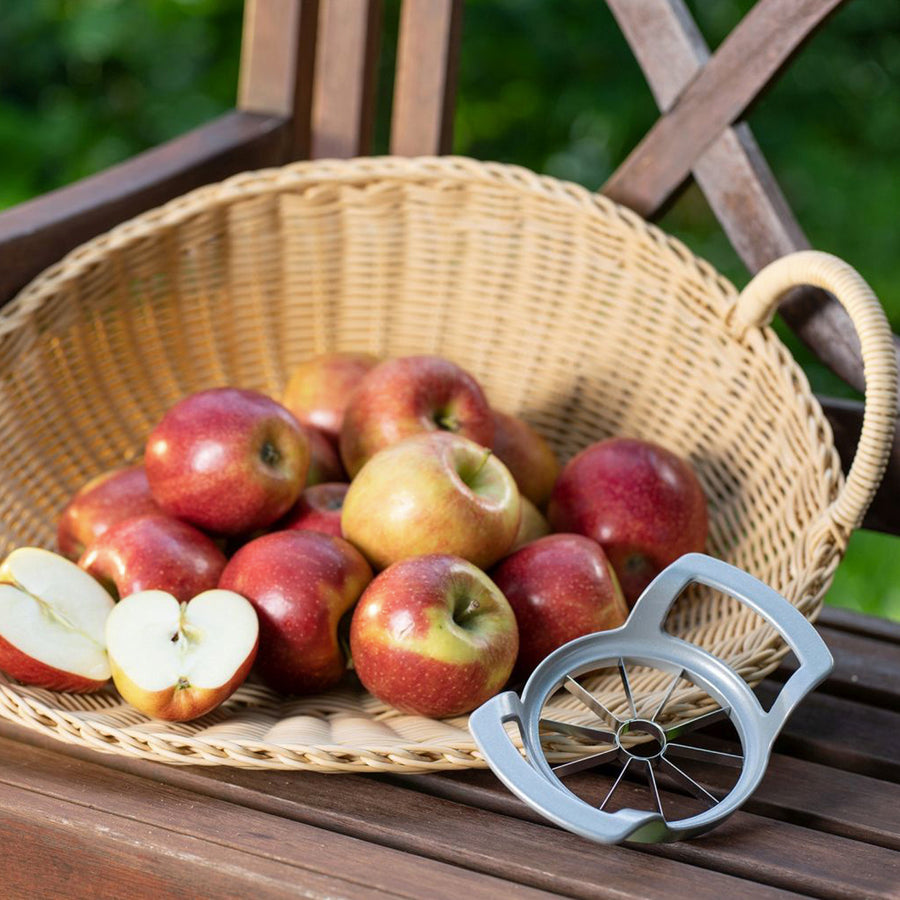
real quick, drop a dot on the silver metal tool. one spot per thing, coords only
(659, 750)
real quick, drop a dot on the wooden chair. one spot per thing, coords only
(306, 90)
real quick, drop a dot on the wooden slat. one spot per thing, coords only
(841, 733)
(248, 835)
(278, 49)
(343, 111)
(37, 233)
(389, 814)
(425, 84)
(739, 70)
(54, 848)
(859, 623)
(864, 669)
(747, 845)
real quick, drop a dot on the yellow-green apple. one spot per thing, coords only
(532, 525)
(155, 553)
(229, 461)
(318, 389)
(642, 503)
(301, 584)
(52, 616)
(178, 661)
(318, 509)
(434, 493)
(560, 587)
(433, 636)
(527, 455)
(324, 462)
(103, 501)
(408, 396)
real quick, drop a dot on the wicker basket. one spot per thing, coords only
(572, 312)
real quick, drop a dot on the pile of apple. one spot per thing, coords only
(382, 516)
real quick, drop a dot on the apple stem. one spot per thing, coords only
(482, 464)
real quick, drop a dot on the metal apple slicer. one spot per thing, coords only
(646, 752)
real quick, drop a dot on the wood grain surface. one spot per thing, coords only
(823, 823)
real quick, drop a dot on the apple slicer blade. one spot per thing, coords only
(638, 740)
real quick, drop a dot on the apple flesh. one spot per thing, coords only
(409, 396)
(52, 619)
(433, 636)
(101, 503)
(527, 455)
(643, 504)
(178, 661)
(155, 552)
(226, 460)
(318, 509)
(532, 525)
(434, 493)
(560, 587)
(318, 390)
(301, 584)
(324, 462)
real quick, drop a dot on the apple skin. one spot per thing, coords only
(301, 583)
(318, 390)
(527, 455)
(324, 463)
(318, 509)
(560, 587)
(643, 504)
(415, 498)
(532, 525)
(158, 553)
(178, 706)
(109, 498)
(32, 671)
(408, 396)
(433, 636)
(229, 461)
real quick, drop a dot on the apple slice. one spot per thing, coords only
(177, 661)
(52, 616)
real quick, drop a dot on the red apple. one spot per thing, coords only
(318, 509)
(319, 388)
(324, 462)
(301, 583)
(155, 553)
(404, 397)
(52, 618)
(560, 587)
(434, 493)
(527, 455)
(179, 661)
(433, 636)
(229, 461)
(103, 501)
(532, 525)
(640, 502)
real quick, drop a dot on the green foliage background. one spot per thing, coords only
(549, 85)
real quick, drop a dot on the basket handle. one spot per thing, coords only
(756, 305)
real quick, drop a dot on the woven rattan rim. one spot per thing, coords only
(240, 732)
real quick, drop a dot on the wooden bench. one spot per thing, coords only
(824, 823)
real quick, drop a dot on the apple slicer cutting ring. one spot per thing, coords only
(659, 750)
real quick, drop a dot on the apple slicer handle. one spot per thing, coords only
(756, 305)
(814, 658)
(557, 804)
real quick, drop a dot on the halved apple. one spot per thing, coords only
(178, 661)
(52, 618)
